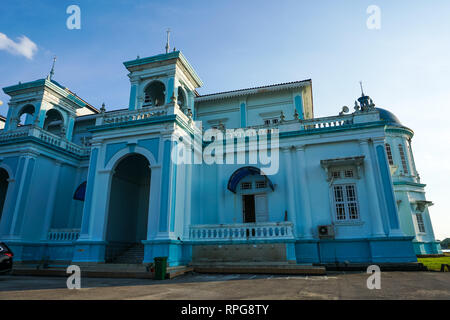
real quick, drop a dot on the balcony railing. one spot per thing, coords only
(116, 117)
(243, 231)
(63, 234)
(308, 124)
(45, 136)
(132, 115)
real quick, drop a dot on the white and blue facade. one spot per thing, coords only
(82, 185)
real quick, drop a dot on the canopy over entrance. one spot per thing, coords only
(241, 173)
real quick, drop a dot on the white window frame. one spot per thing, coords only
(245, 183)
(345, 202)
(401, 151)
(420, 224)
(261, 184)
(389, 153)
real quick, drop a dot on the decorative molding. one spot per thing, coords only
(419, 206)
(356, 161)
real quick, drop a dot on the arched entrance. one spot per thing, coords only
(3, 189)
(128, 209)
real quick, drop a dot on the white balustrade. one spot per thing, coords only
(327, 122)
(243, 231)
(14, 134)
(133, 115)
(63, 234)
(43, 135)
(308, 124)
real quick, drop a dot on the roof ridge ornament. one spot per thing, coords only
(168, 39)
(52, 71)
(365, 102)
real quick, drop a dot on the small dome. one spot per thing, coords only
(389, 117)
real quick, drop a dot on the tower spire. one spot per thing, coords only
(52, 72)
(167, 42)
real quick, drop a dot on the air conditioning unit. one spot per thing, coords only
(326, 231)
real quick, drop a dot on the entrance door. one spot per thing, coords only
(128, 207)
(249, 208)
(261, 213)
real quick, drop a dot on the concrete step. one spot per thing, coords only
(260, 268)
(139, 271)
(394, 266)
(132, 255)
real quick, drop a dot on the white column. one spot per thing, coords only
(392, 213)
(305, 217)
(100, 205)
(187, 200)
(220, 191)
(51, 200)
(19, 200)
(289, 185)
(372, 194)
(166, 177)
(98, 219)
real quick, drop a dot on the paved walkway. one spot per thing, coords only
(394, 285)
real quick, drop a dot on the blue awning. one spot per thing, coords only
(241, 173)
(80, 192)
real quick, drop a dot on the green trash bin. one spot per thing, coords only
(160, 268)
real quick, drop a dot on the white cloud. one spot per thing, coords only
(23, 46)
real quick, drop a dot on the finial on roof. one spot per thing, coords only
(167, 42)
(52, 72)
(365, 102)
(103, 109)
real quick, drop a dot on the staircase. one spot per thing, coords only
(133, 255)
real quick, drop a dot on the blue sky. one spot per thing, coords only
(405, 65)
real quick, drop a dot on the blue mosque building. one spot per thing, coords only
(241, 176)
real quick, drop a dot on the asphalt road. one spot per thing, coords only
(394, 285)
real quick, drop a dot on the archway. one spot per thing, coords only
(128, 207)
(3, 189)
(54, 122)
(155, 94)
(181, 98)
(26, 115)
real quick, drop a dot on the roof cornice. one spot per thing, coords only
(163, 57)
(53, 85)
(251, 91)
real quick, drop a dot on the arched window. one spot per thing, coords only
(80, 192)
(403, 158)
(181, 98)
(154, 94)
(54, 122)
(389, 154)
(26, 115)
